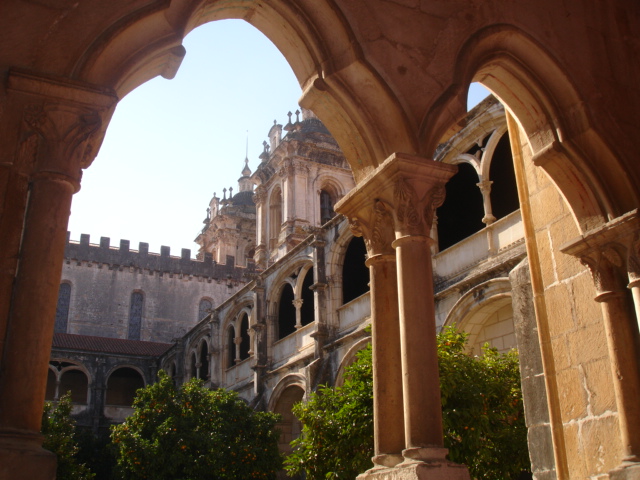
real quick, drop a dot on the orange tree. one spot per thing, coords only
(482, 415)
(195, 433)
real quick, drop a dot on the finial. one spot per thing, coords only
(246, 156)
(266, 146)
(230, 192)
(224, 192)
(289, 115)
(297, 116)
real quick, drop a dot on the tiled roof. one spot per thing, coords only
(109, 345)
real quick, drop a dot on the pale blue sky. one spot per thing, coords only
(172, 143)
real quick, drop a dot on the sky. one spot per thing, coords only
(172, 143)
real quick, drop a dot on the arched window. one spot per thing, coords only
(231, 347)
(355, 274)
(286, 312)
(275, 217)
(461, 214)
(122, 386)
(76, 382)
(135, 316)
(504, 192)
(308, 301)
(326, 207)
(204, 308)
(193, 369)
(203, 372)
(245, 344)
(62, 310)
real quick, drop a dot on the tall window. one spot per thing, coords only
(231, 347)
(275, 217)
(244, 334)
(286, 312)
(355, 274)
(326, 207)
(62, 310)
(204, 362)
(204, 308)
(307, 310)
(135, 316)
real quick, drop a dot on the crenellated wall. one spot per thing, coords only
(103, 280)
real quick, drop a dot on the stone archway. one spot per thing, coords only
(389, 80)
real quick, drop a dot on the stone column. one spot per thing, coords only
(57, 127)
(406, 190)
(319, 288)
(371, 220)
(297, 303)
(485, 189)
(605, 252)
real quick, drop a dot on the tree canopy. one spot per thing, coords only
(482, 415)
(193, 433)
(58, 429)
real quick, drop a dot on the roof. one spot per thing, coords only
(109, 345)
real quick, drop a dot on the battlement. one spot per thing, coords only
(104, 253)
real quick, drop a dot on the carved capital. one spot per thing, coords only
(611, 252)
(297, 303)
(398, 199)
(63, 123)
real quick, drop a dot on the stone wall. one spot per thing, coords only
(103, 279)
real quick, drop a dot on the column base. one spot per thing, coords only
(23, 458)
(626, 471)
(432, 466)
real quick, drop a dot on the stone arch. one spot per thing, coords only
(532, 85)
(290, 390)
(68, 375)
(316, 41)
(122, 383)
(472, 311)
(349, 358)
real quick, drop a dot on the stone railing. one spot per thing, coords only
(353, 313)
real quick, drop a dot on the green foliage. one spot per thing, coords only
(482, 408)
(58, 429)
(482, 415)
(195, 434)
(337, 435)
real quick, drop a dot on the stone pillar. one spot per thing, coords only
(259, 337)
(261, 254)
(605, 251)
(54, 129)
(402, 194)
(485, 189)
(373, 222)
(534, 390)
(319, 288)
(297, 303)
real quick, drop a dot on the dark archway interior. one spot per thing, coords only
(204, 362)
(308, 301)
(51, 385)
(355, 274)
(122, 386)
(245, 344)
(286, 312)
(231, 347)
(74, 381)
(289, 426)
(504, 191)
(461, 214)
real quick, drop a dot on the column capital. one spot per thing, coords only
(62, 124)
(297, 303)
(259, 194)
(610, 252)
(402, 194)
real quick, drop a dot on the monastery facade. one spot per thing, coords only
(389, 80)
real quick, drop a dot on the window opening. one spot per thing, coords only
(355, 274)
(62, 309)
(245, 344)
(308, 301)
(135, 316)
(286, 312)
